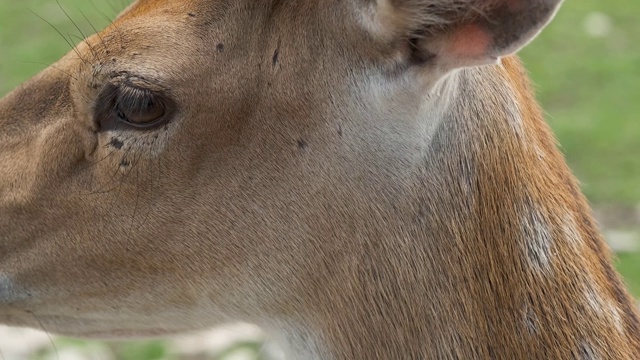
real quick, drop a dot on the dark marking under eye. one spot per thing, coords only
(116, 143)
(191, 14)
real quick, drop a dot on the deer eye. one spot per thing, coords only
(133, 106)
(138, 107)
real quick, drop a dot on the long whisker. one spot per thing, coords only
(135, 208)
(113, 176)
(69, 17)
(149, 173)
(84, 37)
(111, 23)
(111, 153)
(73, 47)
(53, 344)
(122, 181)
(101, 189)
(93, 51)
(94, 29)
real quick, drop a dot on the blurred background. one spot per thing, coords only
(586, 68)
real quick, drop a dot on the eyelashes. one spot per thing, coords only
(134, 98)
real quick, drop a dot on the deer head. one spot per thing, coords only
(367, 179)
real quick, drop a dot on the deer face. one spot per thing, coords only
(198, 161)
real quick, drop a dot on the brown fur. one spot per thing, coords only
(344, 181)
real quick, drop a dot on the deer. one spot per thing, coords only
(363, 179)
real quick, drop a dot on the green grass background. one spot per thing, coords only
(588, 85)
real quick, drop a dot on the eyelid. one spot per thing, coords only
(138, 82)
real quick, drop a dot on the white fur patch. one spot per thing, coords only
(538, 240)
(615, 317)
(602, 308)
(514, 113)
(594, 300)
(416, 114)
(570, 231)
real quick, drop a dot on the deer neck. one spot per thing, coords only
(490, 251)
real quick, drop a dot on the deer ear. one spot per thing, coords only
(464, 33)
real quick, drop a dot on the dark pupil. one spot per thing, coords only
(139, 107)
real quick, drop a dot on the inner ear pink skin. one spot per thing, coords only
(469, 41)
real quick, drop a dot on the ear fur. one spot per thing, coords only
(464, 33)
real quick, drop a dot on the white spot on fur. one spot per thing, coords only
(538, 240)
(602, 308)
(515, 117)
(514, 113)
(614, 314)
(594, 300)
(570, 231)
